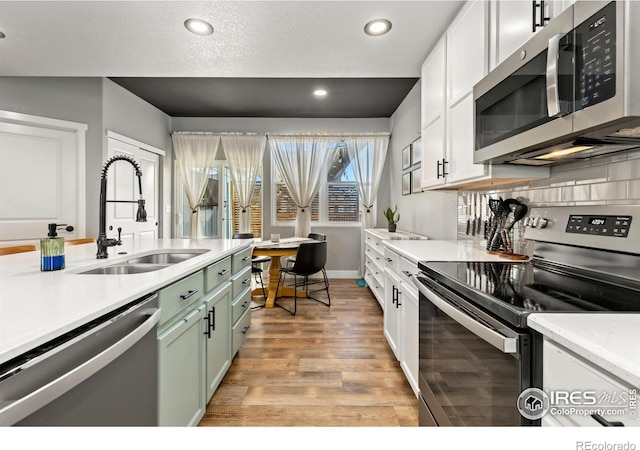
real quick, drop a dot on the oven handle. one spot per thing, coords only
(502, 343)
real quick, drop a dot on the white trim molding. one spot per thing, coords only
(128, 140)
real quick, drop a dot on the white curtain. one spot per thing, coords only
(244, 154)
(302, 161)
(367, 155)
(195, 154)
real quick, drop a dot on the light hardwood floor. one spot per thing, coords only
(321, 367)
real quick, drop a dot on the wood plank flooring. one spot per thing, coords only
(321, 367)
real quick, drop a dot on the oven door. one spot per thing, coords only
(472, 368)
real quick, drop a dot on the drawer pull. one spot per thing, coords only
(389, 259)
(246, 258)
(407, 273)
(247, 280)
(188, 294)
(245, 304)
(245, 330)
(604, 422)
(223, 272)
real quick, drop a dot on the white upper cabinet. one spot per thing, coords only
(458, 62)
(467, 56)
(433, 105)
(514, 22)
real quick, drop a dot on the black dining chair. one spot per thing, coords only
(256, 270)
(316, 237)
(311, 259)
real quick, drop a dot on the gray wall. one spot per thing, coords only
(432, 213)
(130, 116)
(344, 242)
(101, 105)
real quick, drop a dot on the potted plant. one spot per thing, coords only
(392, 218)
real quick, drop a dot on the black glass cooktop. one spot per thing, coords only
(513, 290)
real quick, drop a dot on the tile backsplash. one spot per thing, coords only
(607, 180)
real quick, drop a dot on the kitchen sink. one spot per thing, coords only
(125, 268)
(147, 263)
(166, 257)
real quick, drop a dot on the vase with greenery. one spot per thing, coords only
(392, 218)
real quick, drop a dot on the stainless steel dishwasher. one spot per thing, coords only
(104, 373)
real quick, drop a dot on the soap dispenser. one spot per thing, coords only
(52, 250)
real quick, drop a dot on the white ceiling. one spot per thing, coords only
(252, 39)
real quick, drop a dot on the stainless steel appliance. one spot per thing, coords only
(476, 353)
(569, 92)
(104, 373)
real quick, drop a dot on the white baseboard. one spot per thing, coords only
(343, 274)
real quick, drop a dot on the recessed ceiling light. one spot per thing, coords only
(198, 26)
(2, 35)
(320, 92)
(377, 27)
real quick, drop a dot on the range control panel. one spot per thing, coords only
(607, 227)
(616, 226)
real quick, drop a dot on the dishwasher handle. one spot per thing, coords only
(502, 343)
(20, 408)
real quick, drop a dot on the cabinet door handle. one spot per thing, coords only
(207, 329)
(604, 422)
(398, 304)
(444, 172)
(188, 294)
(394, 294)
(438, 170)
(246, 258)
(534, 22)
(212, 321)
(223, 272)
(245, 330)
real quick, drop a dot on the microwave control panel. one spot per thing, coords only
(596, 57)
(616, 226)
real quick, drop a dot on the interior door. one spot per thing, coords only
(39, 182)
(123, 185)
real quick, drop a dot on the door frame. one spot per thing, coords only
(79, 129)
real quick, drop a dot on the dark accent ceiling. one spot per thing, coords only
(271, 97)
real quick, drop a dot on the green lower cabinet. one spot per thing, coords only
(181, 399)
(217, 338)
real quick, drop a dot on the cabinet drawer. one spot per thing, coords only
(241, 281)
(179, 295)
(240, 331)
(407, 270)
(392, 260)
(240, 305)
(217, 272)
(562, 371)
(241, 260)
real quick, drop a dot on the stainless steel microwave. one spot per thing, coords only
(572, 91)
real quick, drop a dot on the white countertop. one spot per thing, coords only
(36, 306)
(610, 341)
(432, 250)
(384, 233)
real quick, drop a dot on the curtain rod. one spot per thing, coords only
(242, 133)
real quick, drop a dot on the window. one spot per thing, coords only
(337, 201)
(255, 208)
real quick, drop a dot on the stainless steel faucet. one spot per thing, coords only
(141, 216)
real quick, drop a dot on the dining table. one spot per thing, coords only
(276, 250)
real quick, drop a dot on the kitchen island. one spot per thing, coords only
(36, 306)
